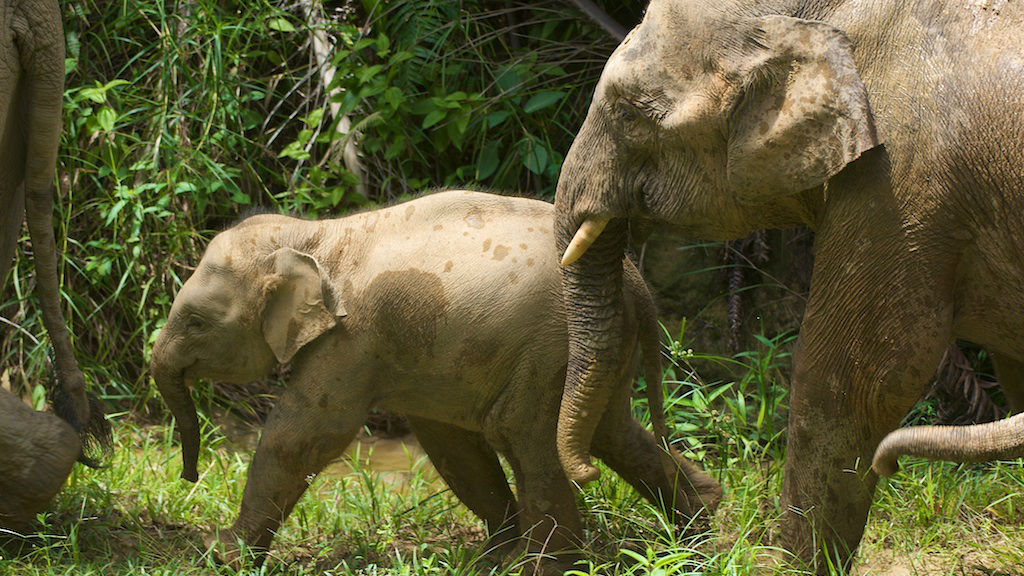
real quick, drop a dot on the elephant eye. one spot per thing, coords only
(195, 322)
(629, 112)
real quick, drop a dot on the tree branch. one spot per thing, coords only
(602, 19)
(322, 48)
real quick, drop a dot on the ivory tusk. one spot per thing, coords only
(585, 236)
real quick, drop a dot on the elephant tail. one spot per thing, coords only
(1001, 440)
(94, 434)
(650, 346)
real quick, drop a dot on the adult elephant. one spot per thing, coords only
(31, 89)
(893, 129)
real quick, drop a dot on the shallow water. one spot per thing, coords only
(395, 460)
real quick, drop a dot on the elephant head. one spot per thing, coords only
(251, 303)
(714, 119)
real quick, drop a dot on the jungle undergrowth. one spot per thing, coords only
(137, 517)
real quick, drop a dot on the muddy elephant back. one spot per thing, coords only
(37, 450)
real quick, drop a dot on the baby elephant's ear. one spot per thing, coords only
(301, 303)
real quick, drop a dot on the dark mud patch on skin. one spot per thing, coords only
(404, 309)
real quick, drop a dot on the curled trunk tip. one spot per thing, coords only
(176, 395)
(886, 461)
(577, 469)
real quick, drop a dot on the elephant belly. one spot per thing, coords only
(481, 385)
(990, 300)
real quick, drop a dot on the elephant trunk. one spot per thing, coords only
(592, 289)
(1002, 440)
(170, 381)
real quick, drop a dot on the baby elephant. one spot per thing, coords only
(38, 450)
(448, 309)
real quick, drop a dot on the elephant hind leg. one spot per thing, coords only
(548, 518)
(1010, 374)
(471, 469)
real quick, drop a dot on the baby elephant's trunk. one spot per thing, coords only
(171, 383)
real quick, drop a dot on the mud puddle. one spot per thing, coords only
(396, 461)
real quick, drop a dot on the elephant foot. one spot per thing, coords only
(503, 544)
(517, 556)
(230, 551)
(697, 497)
(695, 527)
(546, 565)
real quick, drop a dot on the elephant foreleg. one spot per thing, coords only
(878, 319)
(548, 517)
(298, 441)
(471, 469)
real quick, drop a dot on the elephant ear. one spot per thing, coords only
(801, 113)
(300, 303)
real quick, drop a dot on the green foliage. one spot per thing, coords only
(182, 115)
(137, 517)
(737, 421)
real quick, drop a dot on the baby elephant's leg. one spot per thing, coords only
(471, 469)
(524, 423)
(548, 517)
(661, 475)
(298, 441)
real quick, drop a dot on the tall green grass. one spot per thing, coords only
(137, 517)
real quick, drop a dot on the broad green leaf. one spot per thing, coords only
(366, 74)
(383, 45)
(314, 117)
(295, 150)
(535, 158)
(496, 118)
(399, 57)
(393, 96)
(542, 100)
(434, 117)
(280, 24)
(488, 160)
(508, 80)
(105, 119)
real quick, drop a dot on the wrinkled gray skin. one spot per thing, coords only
(31, 88)
(1003, 440)
(893, 129)
(38, 450)
(448, 309)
